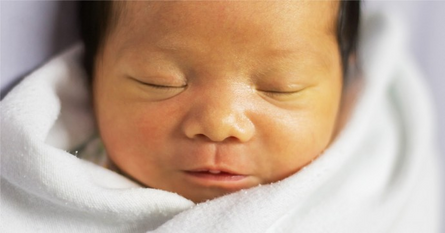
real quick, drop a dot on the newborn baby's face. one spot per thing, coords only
(207, 98)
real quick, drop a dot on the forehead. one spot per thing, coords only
(227, 11)
(132, 15)
(229, 25)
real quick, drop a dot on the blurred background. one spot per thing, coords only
(33, 31)
(426, 23)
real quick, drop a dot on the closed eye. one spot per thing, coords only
(284, 95)
(159, 86)
(162, 86)
(279, 93)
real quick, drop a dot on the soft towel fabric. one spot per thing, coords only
(379, 175)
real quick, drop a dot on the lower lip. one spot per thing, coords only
(216, 177)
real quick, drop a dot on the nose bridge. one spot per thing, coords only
(219, 113)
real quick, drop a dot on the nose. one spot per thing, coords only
(219, 115)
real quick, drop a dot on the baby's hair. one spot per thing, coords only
(97, 19)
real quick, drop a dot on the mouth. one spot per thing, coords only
(215, 175)
(218, 177)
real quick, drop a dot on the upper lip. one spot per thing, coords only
(214, 170)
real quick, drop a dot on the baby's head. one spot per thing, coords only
(207, 98)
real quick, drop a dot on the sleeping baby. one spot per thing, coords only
(207, 98)
(224, 116)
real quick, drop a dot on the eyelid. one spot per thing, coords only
(279, 95)
(157, 86)
(271, 92)
(283, 95)
(282, 92)
(161, 86)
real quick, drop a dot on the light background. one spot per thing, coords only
(32, 31)
(426, 23)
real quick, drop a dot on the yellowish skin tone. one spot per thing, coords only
(250, 87)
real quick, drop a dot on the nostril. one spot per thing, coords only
(218, 125)
(231, 139)
(201, 137)
(213, 138)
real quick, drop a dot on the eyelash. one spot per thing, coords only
(162, 86)
(280, 93)
(156, 86)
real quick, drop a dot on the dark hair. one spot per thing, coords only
(98, 17)
(347, 34)
(94, 17)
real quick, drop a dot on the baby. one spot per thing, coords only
(204, 99)
(208, 98)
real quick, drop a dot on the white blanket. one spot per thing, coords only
(379, 175)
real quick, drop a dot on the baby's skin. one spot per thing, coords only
(207, 98)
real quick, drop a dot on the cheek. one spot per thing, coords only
(298, 137)
(132, 128)
(295, 138)
(135, 141)
(127, 122)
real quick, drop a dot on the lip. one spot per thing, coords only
(215, 170)
(212, 176)
(221, 176)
